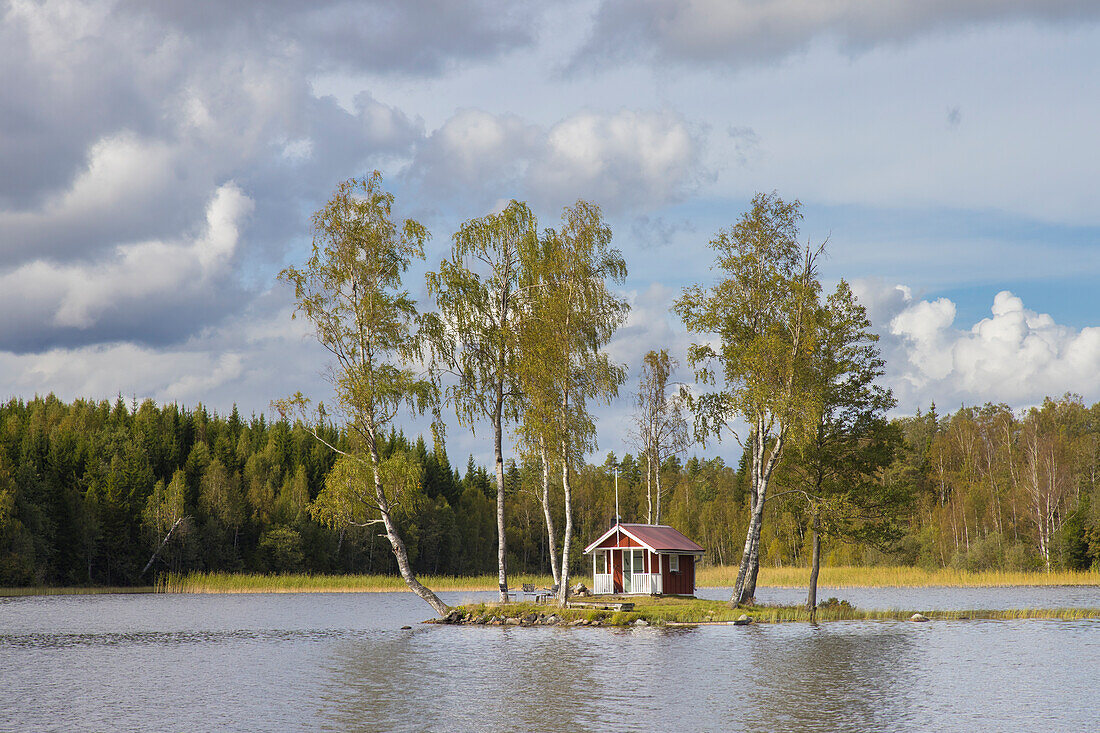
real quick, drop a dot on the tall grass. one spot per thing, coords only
(302, 583)
(74, 591)
(831, 577)
(893, 577)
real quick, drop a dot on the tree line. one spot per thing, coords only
(87, 495)
(516, 340)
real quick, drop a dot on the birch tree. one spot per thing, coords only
(759, 322)
(476, 334)
(350, 289)
(564, 367)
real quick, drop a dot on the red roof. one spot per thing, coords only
(658, 537)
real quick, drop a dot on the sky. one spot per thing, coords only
(159, 163)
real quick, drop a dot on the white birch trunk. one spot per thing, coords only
(563, 589)
(396, 543)
(551, 542)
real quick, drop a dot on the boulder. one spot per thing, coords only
(512, 621)
(551, 620)
(453, 617)
(579, 622)
(406, 628)
(918, 618)
(580, 589)
(641, 622)
(743, 620)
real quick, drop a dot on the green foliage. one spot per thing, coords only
(761, 315)
(282, 549)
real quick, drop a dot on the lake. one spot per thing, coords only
(341, 662)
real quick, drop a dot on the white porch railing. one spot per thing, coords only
(645, 583)
(602, 585)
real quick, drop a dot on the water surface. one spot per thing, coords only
(341, 662)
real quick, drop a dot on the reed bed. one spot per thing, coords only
(720, 576)
(75, 591)
(303, 583)
(893, 577)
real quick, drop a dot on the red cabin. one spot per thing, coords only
(653, 559)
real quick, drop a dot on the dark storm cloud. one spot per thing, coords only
(752, 32)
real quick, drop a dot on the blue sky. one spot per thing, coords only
(159, 162)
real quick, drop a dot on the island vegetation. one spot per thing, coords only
(135, 494)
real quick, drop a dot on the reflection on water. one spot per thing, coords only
(341, 662)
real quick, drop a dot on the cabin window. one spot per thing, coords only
(674, 563)
(639, 562)
(601, 563)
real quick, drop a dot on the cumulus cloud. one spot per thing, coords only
(255, 355)
(139, 289)
(1016, 355)
(619, 160)
(748, 32)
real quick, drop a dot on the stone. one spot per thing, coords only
(530, 618)
(453, 617)
(579, 589)
(641, 622)
(743, 620)
(406, 628)
(918, 618)
(482, 620)
(512, 621)
(579, 622)
(552, 620)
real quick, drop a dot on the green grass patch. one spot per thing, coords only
(665, 611)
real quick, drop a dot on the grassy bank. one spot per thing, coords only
(242, 583)
(893, 577)
(723, 576)
(693, 611)
(74, 591)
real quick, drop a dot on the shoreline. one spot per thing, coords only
(831, 579)
(691, 612)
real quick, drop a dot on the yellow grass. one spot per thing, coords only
(892, 577)
(303, 583)
(53, 591)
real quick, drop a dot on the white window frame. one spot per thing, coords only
(673, 563)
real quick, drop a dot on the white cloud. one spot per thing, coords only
(1016, 355)
(630, 156)
(619, 160)
(78, 295)
(248, 359)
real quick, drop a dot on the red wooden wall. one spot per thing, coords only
(681, 583)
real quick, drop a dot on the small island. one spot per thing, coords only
(676, 611)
